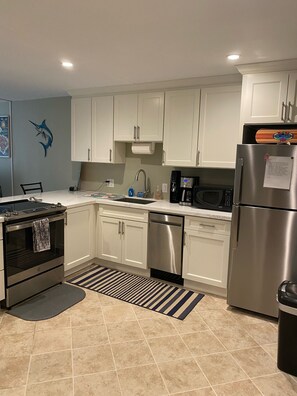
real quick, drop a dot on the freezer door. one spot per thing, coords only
(263, 253)
(249, 176)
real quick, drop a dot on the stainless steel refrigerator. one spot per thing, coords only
(263, 246)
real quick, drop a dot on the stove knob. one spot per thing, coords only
(7, 214)
(53, 206)
(59, 204)
(15, 213)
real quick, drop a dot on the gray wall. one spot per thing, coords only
(55, 171)
(93, 175)
(5, 163)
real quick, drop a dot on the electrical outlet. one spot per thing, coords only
(110, 182)
(164, 187)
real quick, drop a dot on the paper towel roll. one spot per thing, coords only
(143, 148)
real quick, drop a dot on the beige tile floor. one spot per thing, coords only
(103, 346)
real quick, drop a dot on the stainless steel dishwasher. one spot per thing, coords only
(165, 246)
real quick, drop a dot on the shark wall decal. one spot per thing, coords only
(43, 130)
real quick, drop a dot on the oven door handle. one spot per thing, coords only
(27, 224)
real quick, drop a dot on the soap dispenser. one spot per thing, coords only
(131, 192)
(158, 193)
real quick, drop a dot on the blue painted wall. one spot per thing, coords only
(55, 171)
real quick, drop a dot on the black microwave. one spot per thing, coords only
(213, 198)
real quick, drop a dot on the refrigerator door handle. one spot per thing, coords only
(235, 227)
(238, 180)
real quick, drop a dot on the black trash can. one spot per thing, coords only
(287, 328)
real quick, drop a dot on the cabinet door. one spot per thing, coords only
(264, 97)
(2, 287)
(125, 117)
(134, 244)
(219, 130)
(79, 236)
(81, 110)
(109, 239)
(181, 127)
(2, 284)
(102, 129)
(206, 258)
(292, 98)
(150, 117)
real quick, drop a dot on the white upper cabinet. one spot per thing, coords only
(292, 98)
(219, 128)
(102, 129)
(150, 117)
(81, 129)
(264, 97)
(139, 117)
(125, 117)
(92, 131)
(181, 127)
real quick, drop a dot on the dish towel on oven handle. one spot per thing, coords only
(41, 235)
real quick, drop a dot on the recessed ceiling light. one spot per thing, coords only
(67, 65)
(233, 57)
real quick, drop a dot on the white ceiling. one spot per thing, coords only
(114, 42)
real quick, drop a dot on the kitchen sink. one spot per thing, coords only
(135, 200)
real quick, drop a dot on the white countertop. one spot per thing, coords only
(78, 198)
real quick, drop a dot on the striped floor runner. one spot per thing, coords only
(147, 293)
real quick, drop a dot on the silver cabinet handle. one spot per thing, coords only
(197, 157)
(138, 128)
(135, 133)
(283, 116)
(163, 157)
(208, 225)
(123, 230)
(89, 152)
(119, 229)
(185, 238)
(110, 151)
(290, 113)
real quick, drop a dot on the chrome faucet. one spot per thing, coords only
(146, 190)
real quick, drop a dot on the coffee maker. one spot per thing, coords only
(175, 187)
(186, 190)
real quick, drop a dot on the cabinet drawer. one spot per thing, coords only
(207, 225)
(120, 212)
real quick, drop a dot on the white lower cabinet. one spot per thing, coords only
(122, 236)
(206, 251)
(2, 286)
(79, 236)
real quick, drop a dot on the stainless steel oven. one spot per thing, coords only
(28, 272)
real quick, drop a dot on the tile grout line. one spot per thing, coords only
(109, 343)
(193, 357)
(248, 377)
(72, 365)
(147, 343)
(30, 357)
